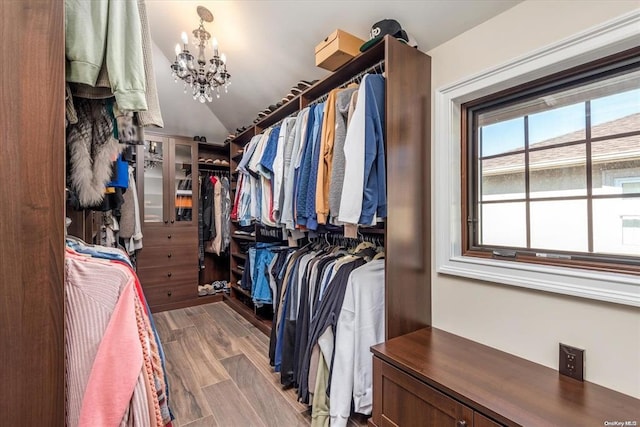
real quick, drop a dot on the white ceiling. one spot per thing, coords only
(270, 45)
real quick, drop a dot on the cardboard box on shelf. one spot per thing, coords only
(337, 49)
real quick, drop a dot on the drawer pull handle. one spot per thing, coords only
(166, 221)
(461, 423)
(172, 221)
(169, 236)
(168, 274)
(169, 293)
(169, 256)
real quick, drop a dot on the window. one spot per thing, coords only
(452, 255)
(552, 169)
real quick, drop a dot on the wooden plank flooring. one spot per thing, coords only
(219, 372)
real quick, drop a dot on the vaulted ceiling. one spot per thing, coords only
(270, 46)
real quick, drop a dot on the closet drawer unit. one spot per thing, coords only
(170, 235)
(401, 400)
(169, 293)
(167, 255)
(170, 274)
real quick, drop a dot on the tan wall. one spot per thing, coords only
(519, 321)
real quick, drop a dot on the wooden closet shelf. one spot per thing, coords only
(240, 256)
(237, 288)
(241, 237)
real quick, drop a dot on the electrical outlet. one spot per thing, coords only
(571, 362)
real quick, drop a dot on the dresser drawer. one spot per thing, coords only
(169, 293)
(402, 400)
(169, 274)
(159, 237)
(168, 255)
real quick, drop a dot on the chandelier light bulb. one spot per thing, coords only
(178, 49)
(214, 43)
(223, 58)
(185, 39)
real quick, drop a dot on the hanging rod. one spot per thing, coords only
(377, 68)
(279, 122)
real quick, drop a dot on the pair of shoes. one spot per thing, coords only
(200, 138)
(202, 290)
(219, 286)
(301, 86)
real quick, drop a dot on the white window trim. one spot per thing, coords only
(611, 37)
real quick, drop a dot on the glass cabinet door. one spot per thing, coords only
(154, 158)
(182, 185)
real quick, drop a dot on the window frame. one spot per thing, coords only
(600, 69)
(606, 39)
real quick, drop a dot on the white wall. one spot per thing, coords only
(527, 323)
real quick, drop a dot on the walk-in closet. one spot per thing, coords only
(306, 213)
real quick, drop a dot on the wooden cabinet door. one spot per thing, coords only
(480, 420)
(401, 400)
(182, 185)
(152, 165)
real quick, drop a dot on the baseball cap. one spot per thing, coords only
(384, 27)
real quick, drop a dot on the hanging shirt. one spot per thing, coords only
(360, 325)
(327, 139)
(338, 165)
(374, 200)
(283, 145)
(352, 194)
(287, 217)
(302, 179)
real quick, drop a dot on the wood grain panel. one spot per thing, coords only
(231, 412)
(506, 388)
(169, 255)
(221, 344)
(261, 393)
(180, 236)
(168, 294)
(175, 275)
(257, 353)
(32, 212)
(209, 421)
(226, 321)
(188, 402)
(205, 368)
(409, 402)
(408, 259)
(166, 333)
(480, 420)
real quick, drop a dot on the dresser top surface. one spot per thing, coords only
(508, 388)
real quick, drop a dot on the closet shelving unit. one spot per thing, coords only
(215, 267)
(240, 299)
(407, 227)
(168, 262)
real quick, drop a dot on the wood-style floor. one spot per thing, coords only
(219, 373)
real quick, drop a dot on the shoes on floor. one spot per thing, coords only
(219, 286)
(202, 290)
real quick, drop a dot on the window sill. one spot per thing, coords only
(610, 287)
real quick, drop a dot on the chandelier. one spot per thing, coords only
(202, 78)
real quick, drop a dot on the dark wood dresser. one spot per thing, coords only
(434, 378)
